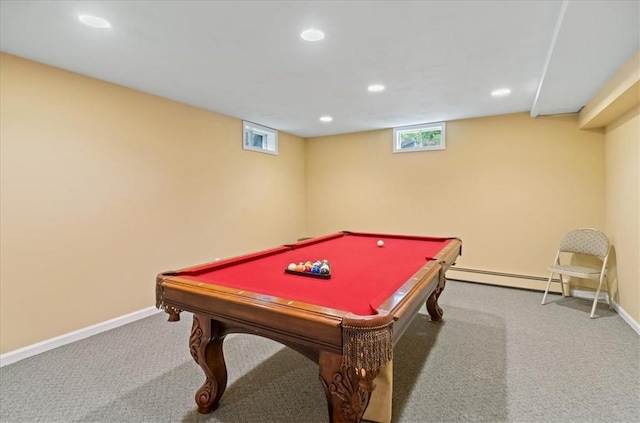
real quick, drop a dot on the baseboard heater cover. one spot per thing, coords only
(502, 274)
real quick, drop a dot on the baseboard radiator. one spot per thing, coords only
(502, 274)
(575, 290)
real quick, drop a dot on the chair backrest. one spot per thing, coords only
(585, 241)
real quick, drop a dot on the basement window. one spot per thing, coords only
(259, 138)
(427, 136)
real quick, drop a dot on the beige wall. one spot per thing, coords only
(509, 186)
(616, 108)
(102, 187)
(623, 208)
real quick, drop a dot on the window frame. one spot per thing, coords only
(254, 128)
(419, 128)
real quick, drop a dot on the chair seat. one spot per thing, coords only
(575, 271)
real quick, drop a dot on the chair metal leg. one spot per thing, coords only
(609, 300)
(593, 308)
(546, 291)
(595, 300)
(562, 285)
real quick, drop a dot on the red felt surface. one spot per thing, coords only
(363, 275)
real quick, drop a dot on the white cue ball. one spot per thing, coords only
(380, 243)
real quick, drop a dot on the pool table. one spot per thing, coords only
(347, 321)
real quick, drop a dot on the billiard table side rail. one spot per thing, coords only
(424, 287)
(291, 323)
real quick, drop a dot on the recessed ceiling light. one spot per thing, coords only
(375, 88)
(500, 92)
(326, 119)
(94, 21)
(312, 35)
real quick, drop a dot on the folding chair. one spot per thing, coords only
(582, 241)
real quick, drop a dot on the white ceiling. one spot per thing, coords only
(439, 60)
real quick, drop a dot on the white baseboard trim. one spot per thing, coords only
(589, 295)
(49, 344)
(626, 317)
(603, 296)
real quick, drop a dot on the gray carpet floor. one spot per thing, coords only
(499, 357)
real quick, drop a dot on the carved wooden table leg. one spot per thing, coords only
(205, 344)
(174, 313)
(432, 302)
(347, 392)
